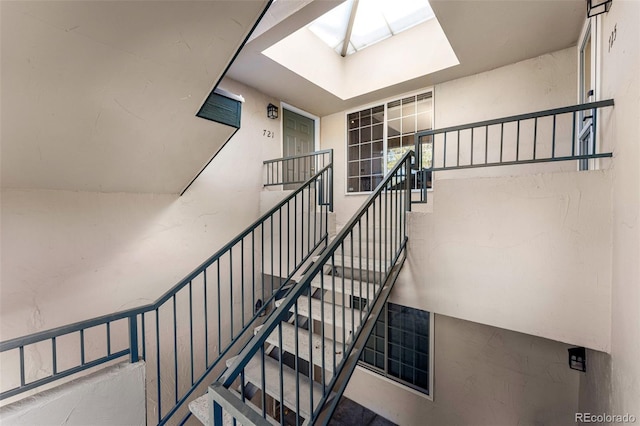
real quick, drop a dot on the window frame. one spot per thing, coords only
(383, 103)
(384, 373)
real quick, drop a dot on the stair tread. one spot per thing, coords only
(303, 309)
(367, 263)
(289, 345)
(253, 375)
(199, 407)
(328, 286)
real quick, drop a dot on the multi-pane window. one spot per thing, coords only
(399, 346)
(378, 137)
(365, 149)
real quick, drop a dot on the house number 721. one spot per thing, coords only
(268, 134)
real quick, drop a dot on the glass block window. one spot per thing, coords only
(378, 137)
(399, 346)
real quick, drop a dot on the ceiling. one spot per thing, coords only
(484, 35)
(102, 95)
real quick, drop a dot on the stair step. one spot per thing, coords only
(328, 286)
(199, 407)
(346, 261)
(289, 345)
(253, 375)
(316, 305)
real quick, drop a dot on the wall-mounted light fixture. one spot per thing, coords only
(577, 359)
(272, 111)
(597, 7)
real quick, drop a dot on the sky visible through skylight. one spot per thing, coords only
(375, 21)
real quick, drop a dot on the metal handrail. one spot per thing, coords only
(294, 169)
(575, 148)
(313, 188)
(398, 177)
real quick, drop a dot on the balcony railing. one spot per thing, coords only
(561, 134)
(296, 169)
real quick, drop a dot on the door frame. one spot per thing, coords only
(590, 28)
(316, 126)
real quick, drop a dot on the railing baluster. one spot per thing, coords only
(281, 373)
(82, 346)
(219, 301)
(231, 290)
(553, 138)
(297, 358)
(191, 329)
(108, 331)
(22, 375)
(242, 295)
(54, 356)
(518, 141)
(486, 144)
(175, 349)
(535, 136)
(573, 134)
(159, 395)
(501, 139)
(471, 146)
(206, 320)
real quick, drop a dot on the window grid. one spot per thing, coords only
(379, 136)
(401, 337)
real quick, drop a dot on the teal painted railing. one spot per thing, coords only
(187, 333)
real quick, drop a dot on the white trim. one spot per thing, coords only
(316, 127)
(428, 396)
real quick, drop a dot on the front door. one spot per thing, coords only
(586, 92)
(298, 137)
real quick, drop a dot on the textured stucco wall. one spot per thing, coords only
(113, 396)
(527, 253)
(70, 256)
(621, 127)
(483, 376)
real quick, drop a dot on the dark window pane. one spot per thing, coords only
(353, 185)
(380, 361)
(369, 356)
(376, 166)
(365, 184)
(354, 153)
(394, 368)
(422, 344)
(365, 134)
(377, 132)
(354, 120)
(365, 117)
(422, 380)
(365, 151)
(378, 149)
(354, 168)
(365, 167)
(354, 137)
(407, 373)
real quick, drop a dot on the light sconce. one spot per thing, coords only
(577, 359)
(597, 7)
(272, 111)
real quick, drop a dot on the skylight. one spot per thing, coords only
(373, 21)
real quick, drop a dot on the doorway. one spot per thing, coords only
(298, 139)
(586, 92)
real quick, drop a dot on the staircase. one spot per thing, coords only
(335, 300)
(298, 362)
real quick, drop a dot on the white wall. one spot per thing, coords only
(526, 253)
(113, 396)
(548, 81)
(70, 256)
(483, 376)
(621, 81)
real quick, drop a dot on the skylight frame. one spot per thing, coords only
(375, 21)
